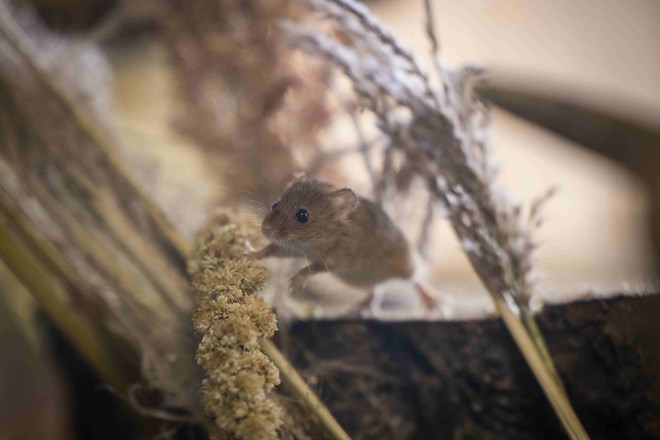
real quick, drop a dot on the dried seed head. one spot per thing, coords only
(232, 319)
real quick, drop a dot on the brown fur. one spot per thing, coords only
(349, 236)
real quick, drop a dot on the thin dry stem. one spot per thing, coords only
(441, 135)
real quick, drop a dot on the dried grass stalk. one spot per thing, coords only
(96, 252)
(246, 100)
(438, 129)
(104, 262)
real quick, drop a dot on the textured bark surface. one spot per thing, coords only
(430, 380)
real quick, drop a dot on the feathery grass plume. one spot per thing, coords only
(436, 130)
(232, 320)
(250, 103)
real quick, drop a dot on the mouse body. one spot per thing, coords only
(336, 231)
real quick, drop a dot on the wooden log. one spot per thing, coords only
(467, 379)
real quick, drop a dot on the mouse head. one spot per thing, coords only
(307, 210)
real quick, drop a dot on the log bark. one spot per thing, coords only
(467, 379)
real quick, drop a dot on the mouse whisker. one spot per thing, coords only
(308, 264)
(256, 207)
(322, 261)
(246, 182)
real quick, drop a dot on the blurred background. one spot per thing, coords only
(575, 88)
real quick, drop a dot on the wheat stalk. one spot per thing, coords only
(439, 129)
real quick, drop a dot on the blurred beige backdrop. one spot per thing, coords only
(606, 53)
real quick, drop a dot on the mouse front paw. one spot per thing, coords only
(259, 254)
(253, 255)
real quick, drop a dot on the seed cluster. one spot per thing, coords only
(232, 319)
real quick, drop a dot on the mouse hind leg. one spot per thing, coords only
(298, 281)
(369, 307)
(430, 303)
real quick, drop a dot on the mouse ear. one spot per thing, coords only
(344, 201)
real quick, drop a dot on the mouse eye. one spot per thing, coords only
(274, 205)
(302, 216)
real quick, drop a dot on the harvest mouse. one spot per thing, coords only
(337, 232)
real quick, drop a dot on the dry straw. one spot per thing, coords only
(250, 104)
(436, 130)
(113, 256)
